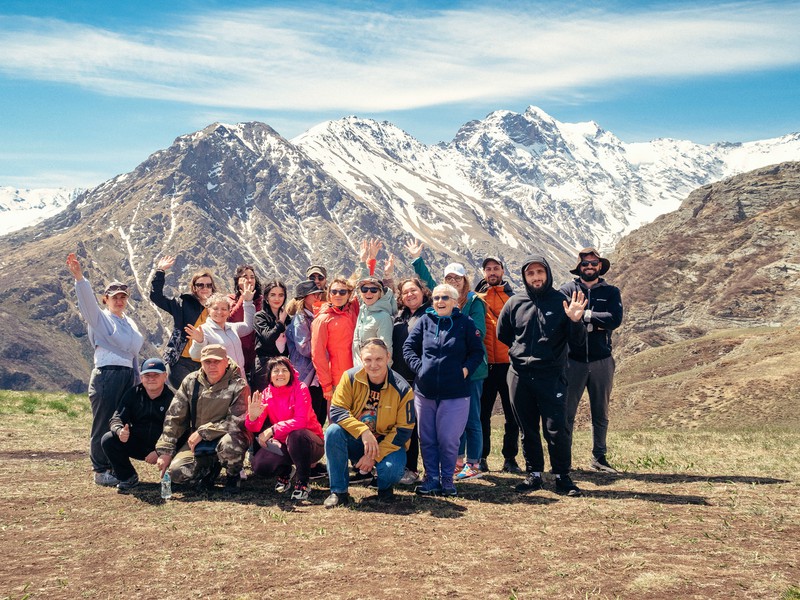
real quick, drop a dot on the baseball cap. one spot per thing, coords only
(153, 365)
(116, 287)
(213, 352)
(455, 269)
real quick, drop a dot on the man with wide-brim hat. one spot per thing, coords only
(591, 366)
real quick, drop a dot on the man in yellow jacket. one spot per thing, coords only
(371, 421)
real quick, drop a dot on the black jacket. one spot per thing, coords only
(268, 329)
(605, 304)
(185, 310)
(145, 416)
(404, 322)
(536, 329)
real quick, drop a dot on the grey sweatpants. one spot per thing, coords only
(596, 377)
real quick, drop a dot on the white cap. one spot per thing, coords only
(455, 269)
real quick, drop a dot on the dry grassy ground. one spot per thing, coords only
(697, 514)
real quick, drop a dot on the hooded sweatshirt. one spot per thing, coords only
(535, 327)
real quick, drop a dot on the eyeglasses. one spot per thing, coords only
(441, 298)
(315, 277)
(340, 292)
(369, 290)
(586, 263)
(201, 286)
(453, 278)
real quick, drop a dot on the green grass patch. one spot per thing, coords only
(43, 403)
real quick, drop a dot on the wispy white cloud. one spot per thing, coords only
(292, 59)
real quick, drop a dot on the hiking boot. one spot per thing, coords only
(428, 488)
(599, 463)
(300, 492)
(282, 484)
(106, 478)
(386, 494)
(337, 499)
(531, 483)
(231, 485)
(510, 466)
(318, 471)
(128, 484)
(409, 477)
(483, 465)
(565, 486)
(206, 482)
(469, 472)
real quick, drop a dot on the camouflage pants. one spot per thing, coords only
(185, 466)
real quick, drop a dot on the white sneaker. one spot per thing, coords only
(409, 477)
(105, 478)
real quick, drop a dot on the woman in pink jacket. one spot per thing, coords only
(289, 435)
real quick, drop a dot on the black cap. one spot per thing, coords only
(305, 288)
(489, 259)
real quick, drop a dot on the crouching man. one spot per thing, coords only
(372, 418)
(205, 424)
(137, 424)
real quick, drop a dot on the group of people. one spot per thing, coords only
(395, 368)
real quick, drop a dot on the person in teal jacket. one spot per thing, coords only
(471, 305)
(376, 299)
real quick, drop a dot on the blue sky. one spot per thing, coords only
(88, 89)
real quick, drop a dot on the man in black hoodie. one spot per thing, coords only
(591, 366)
(537, 326)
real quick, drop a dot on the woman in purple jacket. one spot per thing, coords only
(443, 349)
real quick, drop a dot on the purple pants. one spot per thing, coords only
(440, 424)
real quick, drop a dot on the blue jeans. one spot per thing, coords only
(473, 433)
(341, 448)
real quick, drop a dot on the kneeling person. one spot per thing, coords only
(137, 424)
(210, 408)
(372, 418)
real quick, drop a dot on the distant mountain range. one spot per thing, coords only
(508, 185)
(23, 208)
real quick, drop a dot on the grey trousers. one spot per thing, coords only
(596, 377)
(107, 385)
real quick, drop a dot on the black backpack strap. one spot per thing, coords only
(193, 405)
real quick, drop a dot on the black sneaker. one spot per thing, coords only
(531, 483)
(206, 482)
(483, 465)
(360, 477)
(510, 466)
(318, 471)
(231, 485)
(565, 486)
(126, 485)
(599, 463)
(337, 499)
(386, 494)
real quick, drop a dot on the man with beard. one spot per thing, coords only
(495, 291)
(536, 326)
(591, 366)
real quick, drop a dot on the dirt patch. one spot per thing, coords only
(696, 514)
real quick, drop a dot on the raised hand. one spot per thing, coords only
(254, 408)
(576, 306)
(414, 248)
(165, 262)
(74, 266)
(248, 290)
(375, 246)
(388, 267)
(195, 333)
(363, 251)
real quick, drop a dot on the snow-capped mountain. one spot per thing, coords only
(22, 208)
(509, 185)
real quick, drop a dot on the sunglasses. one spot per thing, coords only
(201, 286)
(117, 288)
(369, 290)
(593, 263)
(441, 298)
(339, 292)
(316, 277)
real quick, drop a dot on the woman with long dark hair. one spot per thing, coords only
(245, 276)
(270, 330)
